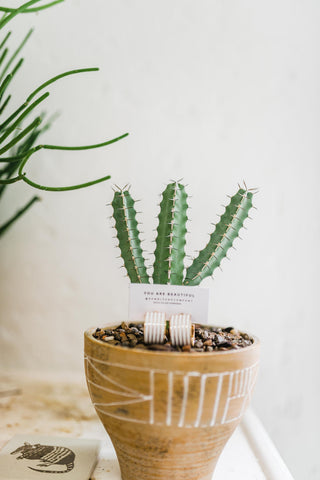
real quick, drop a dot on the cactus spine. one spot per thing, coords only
(171, 238)
(126, 225)
(169, 254)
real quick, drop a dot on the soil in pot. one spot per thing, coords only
(207, 338)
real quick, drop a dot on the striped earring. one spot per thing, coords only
(181, 330)
(154, 327)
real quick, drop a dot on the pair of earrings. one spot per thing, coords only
(179, 328)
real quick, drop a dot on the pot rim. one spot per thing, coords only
(89, 335)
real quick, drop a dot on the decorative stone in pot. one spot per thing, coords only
(169, 414)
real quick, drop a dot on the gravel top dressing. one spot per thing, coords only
(207, 338)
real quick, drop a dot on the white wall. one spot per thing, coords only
(211, 91)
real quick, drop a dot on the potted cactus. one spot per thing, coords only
(169, 411)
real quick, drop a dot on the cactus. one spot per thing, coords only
(171, 239)
(128, 235)
(222, 238)
(168, 267)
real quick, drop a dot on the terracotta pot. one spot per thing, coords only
(169, 415)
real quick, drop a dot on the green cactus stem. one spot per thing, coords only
(169, 253)
(126, 226)
(171, 233)
(222, 238)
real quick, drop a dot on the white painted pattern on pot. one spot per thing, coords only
(128, 392)
(170, 390)
(239, 385)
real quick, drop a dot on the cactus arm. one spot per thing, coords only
(171, 232)
(126, 226)
(222, 238)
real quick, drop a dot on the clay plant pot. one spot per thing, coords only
(169, 415)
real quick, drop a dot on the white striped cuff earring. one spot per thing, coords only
(154, 327)
(181, 330)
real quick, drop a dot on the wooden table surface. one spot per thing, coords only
(60, 405)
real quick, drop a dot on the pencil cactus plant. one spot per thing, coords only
(168, 267)
(17, 141)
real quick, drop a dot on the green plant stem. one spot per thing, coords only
(63, 189)
(16, 53)
(85, 147)
(5, 103)
(36, 122)
(57, 77)
(14, 158)
(13, 116)
(28, 153)
(32, 10)
(3, 56)
(16, 11)
(16, 68)
(4, 84)
(9, 77)
(57, 147)
(22, 176)
(37, 90)
(4, 41)
(7, 169)
(10, 180)
(21, 118)
(18, 214)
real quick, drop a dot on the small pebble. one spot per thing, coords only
(205, 334)
(134, 330)
(123, 337)
(186, 348)
(106, 338)
(219, 339)
(132, 339)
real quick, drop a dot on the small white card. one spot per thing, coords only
(30, 457)
(171, 299)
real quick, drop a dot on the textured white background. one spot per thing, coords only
(211, 91)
